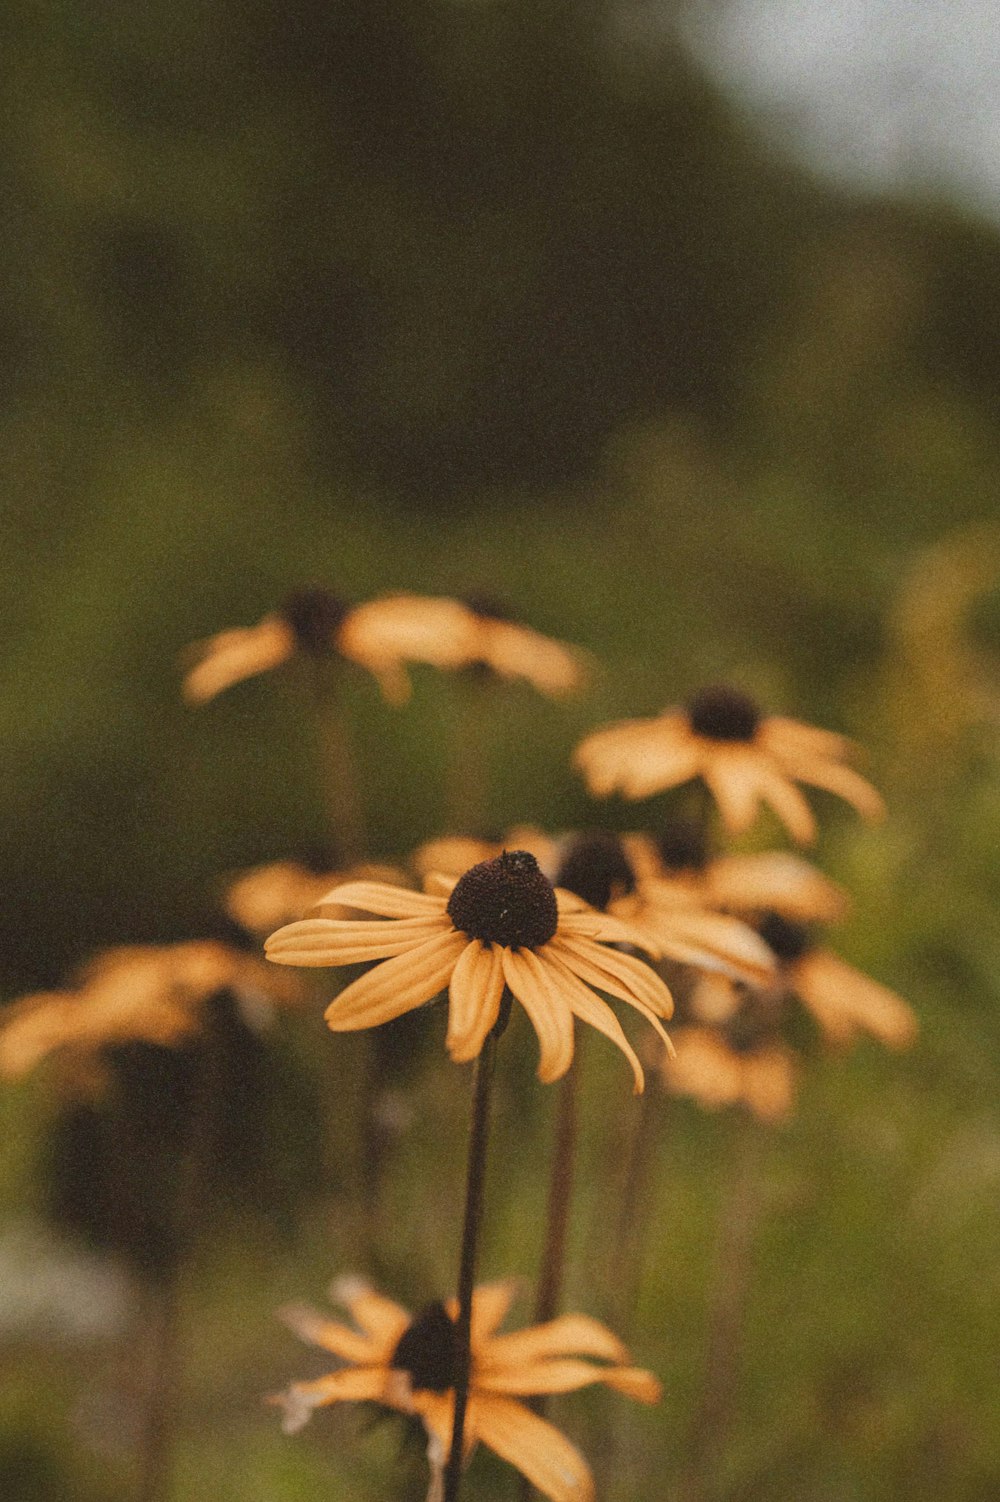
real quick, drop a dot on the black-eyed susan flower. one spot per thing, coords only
(409, 1364)
(501, 925)
(843, 1001)
(746, 884)
(136, 993)
(744, 756)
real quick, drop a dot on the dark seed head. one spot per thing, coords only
(505, 901)
(315, 616)
(724, 714)
(596, 868)
(427, 1350)
(683, 845)
(790, 941)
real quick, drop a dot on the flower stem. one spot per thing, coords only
(739, 1219)
(625, 1276)
(475, 1184)
(468, 780)
(339, 776)
(550, 1277)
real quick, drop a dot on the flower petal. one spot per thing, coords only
(475, 990)
(387, 901)
(232, 656)
(382, 1319)
(321, 942)
(535, 1447)
(847, 784)
(621, 975)
(776, 881)
(788, 803)
(355, 1384)
(592, 1010)
(551, 1015)
(731, 774)
(566, 1335)
(312, 1326)
(844, 1001)
(396, 986)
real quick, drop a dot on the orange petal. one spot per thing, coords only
(776, 881)
(567, 1335)
(382, 1319)
(396, 986)
(535, 1447)
(844, 1001)
(232, 656)
(788, 803)
(312, 1326)
(475, 990)
(847, 784)
(357, 1385)
(387, 901)
(321, 942)
(596, 1013)
(624, 975)
(732, 776)
(550, 1014)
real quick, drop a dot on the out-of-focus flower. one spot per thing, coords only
(765, 881)
(138, 993)
(263, 898)
(453, 854)
(504, 646)
(843, 1001)
(744, 757)
(409, 1364)
(381, 636)
(501, 925)
(718, 1068)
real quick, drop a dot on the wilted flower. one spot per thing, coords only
(410, 1364)
(501, 925)
(744, 756)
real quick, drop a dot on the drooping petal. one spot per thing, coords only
(490, 1303)
(475, 990)
(354, 1384)
(619, 974)
(788, 803)
(776, 881)
(312, 1326)
(845, 1002)
(566, 1335)
(516, 651)
(561, 1374)
(635, 1382)
(712, 941)
(595, 1012)
(534, 1447)
(731, 774)
(231, 656)
(847, 784)
(782, 737)
(321, 942)
(550, 1015)
(397, 985)
(382, 1319)
(640, 757)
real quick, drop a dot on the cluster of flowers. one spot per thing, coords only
(563, 926)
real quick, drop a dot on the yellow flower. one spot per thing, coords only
(381, 636)
(145, 993)
(265, 896)
(408, 1364)
(765, 881)
(843, 1001)
(501, 925)
(742, 755)
(718, 1070)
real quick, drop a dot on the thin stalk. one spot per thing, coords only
(339, 775)
(550, 1276)
(157, 1442)
(739, 1220)
(628, 1246)
(475, 1184)
(468, 780)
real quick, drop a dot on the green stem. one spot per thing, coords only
(338, 773)
(475, 1184)
(468, 783)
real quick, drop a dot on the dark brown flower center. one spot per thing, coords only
(596, 868)
(427, 1350)
(315, 616)
(790, 941)
(505, 901)
(683, 845)
(723, 714)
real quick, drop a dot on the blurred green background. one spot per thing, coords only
(385, 294)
